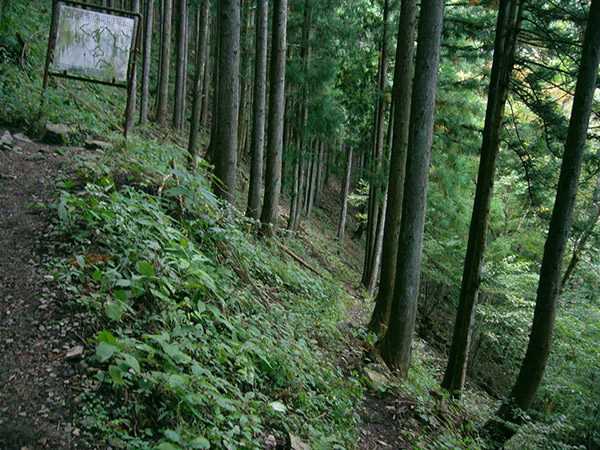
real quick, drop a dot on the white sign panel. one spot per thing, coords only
(93, 44)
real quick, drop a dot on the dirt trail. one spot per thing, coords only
(38, 385)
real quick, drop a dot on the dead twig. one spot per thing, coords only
(297, 258)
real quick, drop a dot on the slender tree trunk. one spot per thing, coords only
(401, 99)
(396, 344)
(225, 136)
(345, 193)
(144, 100)
(542, 330)
(258, 111)
(135, 7)
(376, 159)
(582, 241)
(246, 79)
(181, 37)
(270, 211)
(216, 102)
(507, 31)
(206, 82)
(377, 249)
(163, 85)
(198, 79)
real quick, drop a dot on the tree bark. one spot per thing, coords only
(199, 75)
(258, 111)
(582, 241)
(507, 31)
(374, 208)
(345, 193)
(163, 84)
(135, 7)
(144, 100)
(396, 344)
(181, 38)
(401, 93)
(270, 211)
(206, 81)
(224, 141)
(536, 356)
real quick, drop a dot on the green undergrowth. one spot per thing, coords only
(208, 337)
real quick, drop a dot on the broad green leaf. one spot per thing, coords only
(97, 275)
(114, 310)
(199, 442)
(106, 336)
(116, 374)
(173, 436)
(278, 406)
(131, 361)
(146, 269)
(105, 350)
(80, 260)
(168, 446)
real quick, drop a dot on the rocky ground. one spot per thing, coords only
(42, 369)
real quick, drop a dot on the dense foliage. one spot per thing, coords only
(157, 262)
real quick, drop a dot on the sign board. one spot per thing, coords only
(93, 45)
(96, 44)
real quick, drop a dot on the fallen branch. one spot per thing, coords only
(297, 258)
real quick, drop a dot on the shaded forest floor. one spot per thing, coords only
(39, 379)
(44, 339)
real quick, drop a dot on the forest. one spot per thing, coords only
(336, 224)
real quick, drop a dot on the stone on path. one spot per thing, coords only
(94, 144)
(74, 353)
(57, 133)
(6, 141)
(294, 443)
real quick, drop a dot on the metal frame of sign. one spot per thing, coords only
(132, 57)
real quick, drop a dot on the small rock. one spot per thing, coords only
(375, 380)
(34, 157)
(74, 353)
(9, 341)
(57, 133)
(88, 422)
(22, 137)
(6, 140)
(294, 443)
(270, 442)
(93, 144)
(48, 278)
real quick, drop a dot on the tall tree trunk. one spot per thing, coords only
(542, 330)
(345, 193)
(377, 248)
(258, 110)
(507, 31)
(135, 7)
(582, 241)
(181, 37)
(270, 211)
(225, 136)
(401, 99)
(163, 84)
(216, 102)
(198, 79)
(375, 196)
(144, 100)
(396, 344)
(246, 79)
(206, 81)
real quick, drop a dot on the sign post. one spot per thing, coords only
(94, 44)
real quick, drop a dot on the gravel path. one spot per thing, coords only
(38, 384)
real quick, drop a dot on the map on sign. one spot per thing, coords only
(93, 45)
